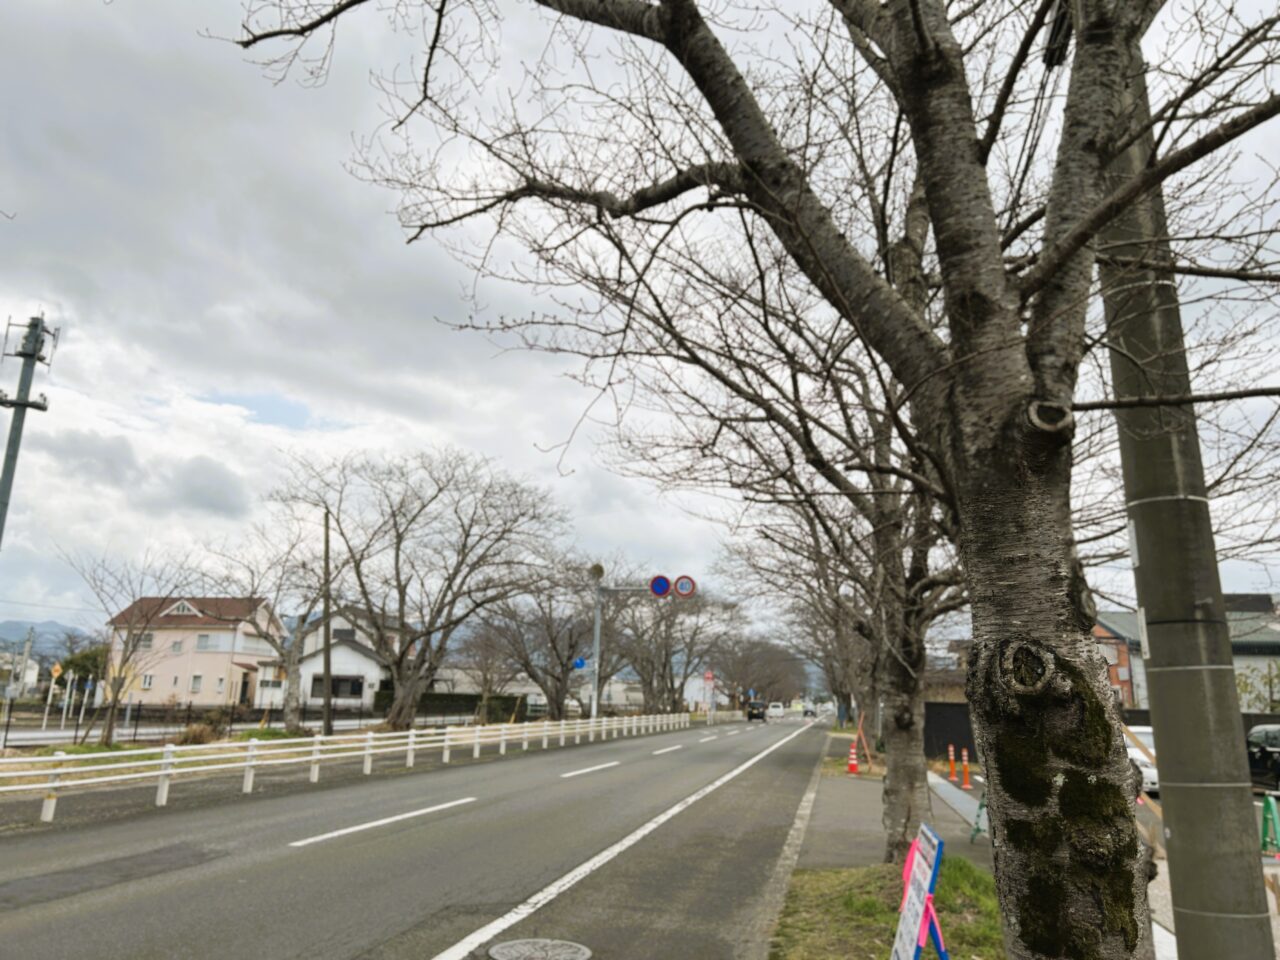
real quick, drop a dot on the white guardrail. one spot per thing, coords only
(74, 771)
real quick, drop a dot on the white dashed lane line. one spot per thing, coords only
(379, 823)
(678, 746)
(706, 739)
(602, 766)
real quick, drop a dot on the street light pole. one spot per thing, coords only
(595, 652)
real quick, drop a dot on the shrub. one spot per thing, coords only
(197, 733)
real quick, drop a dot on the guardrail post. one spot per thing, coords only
(577, 730)
(444, 755)
(315, 757)
(502, 739)
(591, 730)
(368, 753)
(248, 766)
(524, 736)
(562, 733)
(408, 757)
(162, 789)
(475, 743)
(546, 730)
(51, 798)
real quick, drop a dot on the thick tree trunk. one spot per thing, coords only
(1069, 874)
(293, 688)
(906, 799)
(404, 703)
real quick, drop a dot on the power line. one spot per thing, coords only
(48, 606)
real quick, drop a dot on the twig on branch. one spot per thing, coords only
(1121, 403)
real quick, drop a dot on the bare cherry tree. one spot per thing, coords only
(483, 657)
(667, 643)
(427, 542)
(133, 593)
(278, 561)
(658, 190)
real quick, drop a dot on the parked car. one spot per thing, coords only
(1150, 777)
(1263, 745)
(756, 710)
(776, 711)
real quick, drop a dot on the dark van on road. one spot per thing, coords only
(756, 709)
(1263, 744)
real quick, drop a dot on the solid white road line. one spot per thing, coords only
(680, 746)
(464, 947)
(383, 822)
(705, 739)
(603, 766)
(732, 733)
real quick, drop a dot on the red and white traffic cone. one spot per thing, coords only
(853, 757)
(951, 759)
(964, 762)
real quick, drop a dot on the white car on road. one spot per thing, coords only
(776, 711)
(1150, 778)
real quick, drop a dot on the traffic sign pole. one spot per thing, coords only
(595, 655)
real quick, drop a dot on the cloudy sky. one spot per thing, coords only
(227, 293)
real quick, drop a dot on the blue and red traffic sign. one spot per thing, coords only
(683, 586)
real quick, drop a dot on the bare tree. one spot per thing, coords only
(669, 642)
(133, 595)
(484, 658)
(427, 542)
(659, 191)
(279, 562)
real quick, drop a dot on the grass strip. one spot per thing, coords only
(853, 914)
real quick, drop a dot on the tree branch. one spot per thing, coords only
(1111, 207)
(1120, 403)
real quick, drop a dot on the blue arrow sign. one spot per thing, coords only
(751, 694)
(579, 663)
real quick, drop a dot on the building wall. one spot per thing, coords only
(176, 658)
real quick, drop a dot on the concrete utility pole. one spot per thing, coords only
(1215, 873)
(328, 637)
(32, 352)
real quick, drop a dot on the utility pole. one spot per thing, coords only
(328, 637)
(1215, 873)
(31, 353)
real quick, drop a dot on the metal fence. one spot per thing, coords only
(56, 774)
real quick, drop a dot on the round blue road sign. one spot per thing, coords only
(579, 663)
(660, 586)
(684, 586)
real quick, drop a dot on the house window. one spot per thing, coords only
(181, 609)
(222, 681)
(177, 646)
(346, 687)
(147, 680)
(344, 633)
(196, 681)
(204, 642)
(145, 641)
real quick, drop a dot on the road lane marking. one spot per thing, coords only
(464, 947)
(705, 739)
(732, 733)
(380, 823)
(602, 766)
(678, 746)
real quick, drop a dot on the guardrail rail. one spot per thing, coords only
(162, 764)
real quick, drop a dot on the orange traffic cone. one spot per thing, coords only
(964, 762)
(853, 757)
(951, 758)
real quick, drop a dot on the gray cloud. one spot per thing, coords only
(197, 485)
(90, 456)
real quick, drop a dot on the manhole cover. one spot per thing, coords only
(539, 950)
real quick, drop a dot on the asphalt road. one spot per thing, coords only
(435, 857)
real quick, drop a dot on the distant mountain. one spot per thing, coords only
(48, 639)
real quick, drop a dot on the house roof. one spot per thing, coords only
(1251, 632)
(210, 612)
(363, 649)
